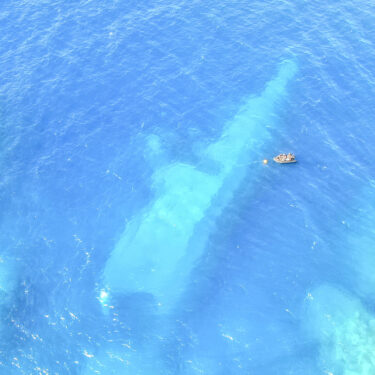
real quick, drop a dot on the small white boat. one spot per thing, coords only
(285, 159)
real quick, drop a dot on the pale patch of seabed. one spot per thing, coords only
(341, 320)
(7, 280)
(8, 285)
(361, 245)
(343, 329)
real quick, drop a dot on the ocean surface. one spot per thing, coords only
(141, 232)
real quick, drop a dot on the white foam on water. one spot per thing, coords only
(118, 361)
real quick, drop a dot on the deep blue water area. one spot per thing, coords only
(140, 231)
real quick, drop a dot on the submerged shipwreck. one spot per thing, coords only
(160, 246)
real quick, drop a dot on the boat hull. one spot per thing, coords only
(284, 161)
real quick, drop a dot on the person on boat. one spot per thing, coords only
(284, 158)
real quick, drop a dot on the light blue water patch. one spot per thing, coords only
(339, 317)
(343, 329)
(8, 282)
(153, 254)
(360, 245)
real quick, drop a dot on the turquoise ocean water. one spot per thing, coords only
(141, 232)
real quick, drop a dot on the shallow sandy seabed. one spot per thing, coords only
(344, 329)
